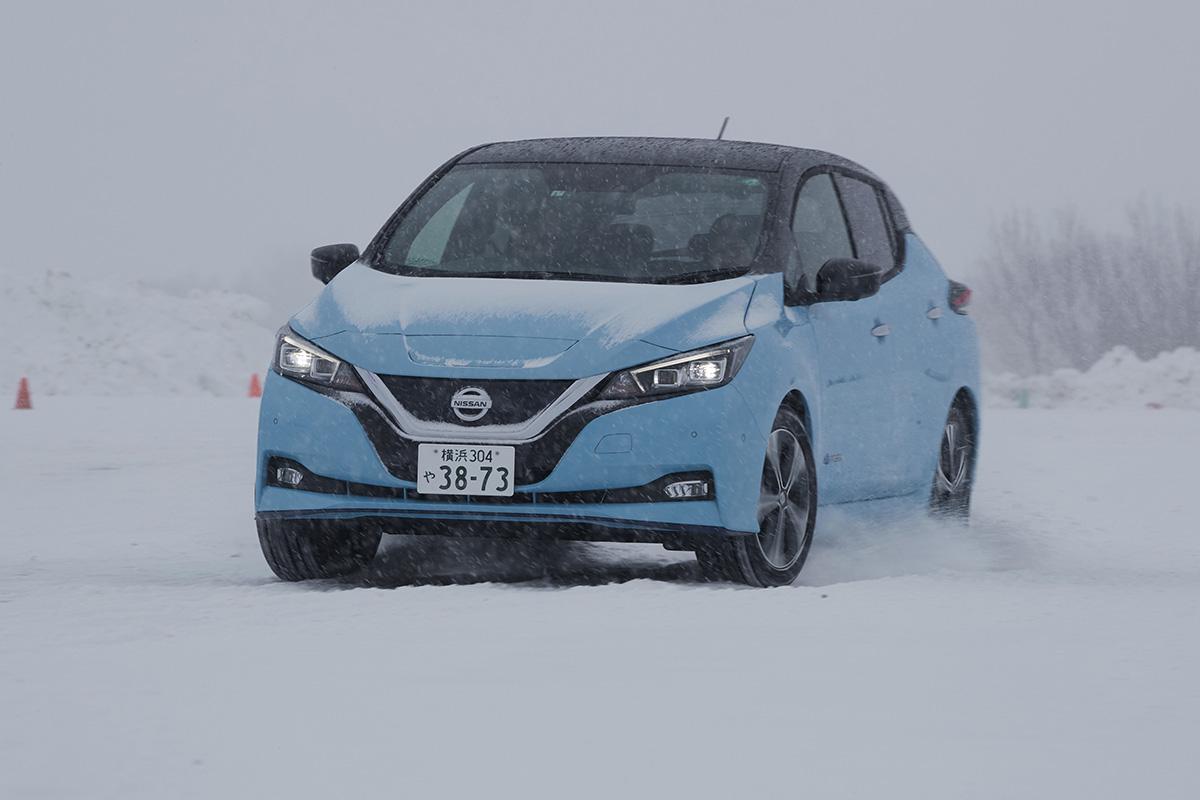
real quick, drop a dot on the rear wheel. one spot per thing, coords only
(955, 472)
(299, 550)
(787, 514)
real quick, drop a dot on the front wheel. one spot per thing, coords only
(787, 514)
(300, 550)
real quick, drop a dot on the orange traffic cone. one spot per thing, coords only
(23, 401)
(255, 386)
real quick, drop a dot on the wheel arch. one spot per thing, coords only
(796, 401)
(964, 398)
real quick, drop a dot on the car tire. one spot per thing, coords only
(300, 550)
(787, 514)
(954, 474)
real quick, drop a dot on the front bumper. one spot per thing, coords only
(709, 432)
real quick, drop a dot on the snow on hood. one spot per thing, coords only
(389, 322)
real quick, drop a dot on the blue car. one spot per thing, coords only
(694, 343)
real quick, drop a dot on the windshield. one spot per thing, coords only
(614, 222)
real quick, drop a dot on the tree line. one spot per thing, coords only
(1060, 293)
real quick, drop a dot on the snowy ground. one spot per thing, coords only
(146, 651)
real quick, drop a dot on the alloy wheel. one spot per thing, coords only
(783, 501)
(954, 456)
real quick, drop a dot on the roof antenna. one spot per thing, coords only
(721, 133)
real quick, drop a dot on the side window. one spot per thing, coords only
(819, 229)
(868, 225)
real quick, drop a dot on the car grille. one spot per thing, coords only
(428, 399)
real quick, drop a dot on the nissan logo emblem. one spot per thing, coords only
(470, 404)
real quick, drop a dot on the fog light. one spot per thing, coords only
(289, 476)
(682, 489)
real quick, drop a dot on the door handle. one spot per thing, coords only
(881, 330)
(934, 312)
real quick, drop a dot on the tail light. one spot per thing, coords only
(960, 297)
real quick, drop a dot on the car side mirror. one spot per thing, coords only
(331, 259)
(847, 279)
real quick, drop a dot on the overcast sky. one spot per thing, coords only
(217, 143)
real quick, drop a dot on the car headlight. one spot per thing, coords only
(702, 369)
(302, 360)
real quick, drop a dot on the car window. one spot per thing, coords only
(819, 230)
(868, 225)
(429, 244)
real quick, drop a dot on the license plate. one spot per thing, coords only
(467, 469)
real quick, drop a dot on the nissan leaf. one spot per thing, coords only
(694, 343)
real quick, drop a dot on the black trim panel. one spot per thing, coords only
(647, 493)
(515, 526)
(513, 401)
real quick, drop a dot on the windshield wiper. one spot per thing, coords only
(561, 275)
(705, 275)
(546, 275)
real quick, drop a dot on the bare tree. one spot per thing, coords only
(1058, 293)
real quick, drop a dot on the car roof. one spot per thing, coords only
(719, 153)
(654, 151)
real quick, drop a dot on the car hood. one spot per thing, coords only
(516, 327)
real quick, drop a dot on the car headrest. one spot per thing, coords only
(629, 240)
(739, 225)
(732, 238)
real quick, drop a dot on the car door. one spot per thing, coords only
(852, 358)
(874, 240)
(911, 300)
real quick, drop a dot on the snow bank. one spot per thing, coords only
(1118, 380)
(82, 336)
